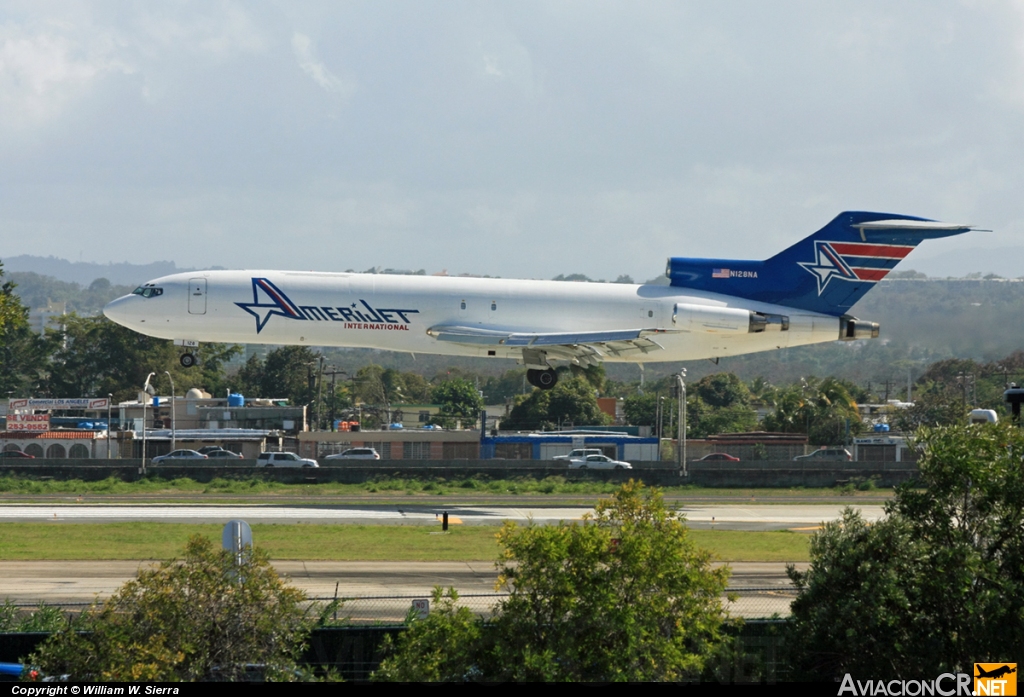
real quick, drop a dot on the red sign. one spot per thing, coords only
(36, 423)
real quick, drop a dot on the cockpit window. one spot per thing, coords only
(148, 291)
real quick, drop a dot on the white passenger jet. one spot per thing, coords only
(712, 307)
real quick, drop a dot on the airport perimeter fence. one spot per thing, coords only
(769, 602)
(750, 603)
(765, 473)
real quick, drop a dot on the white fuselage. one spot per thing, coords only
(395, 313)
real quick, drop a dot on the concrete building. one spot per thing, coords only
(402, 444)
(49, 317)
(193, 412)
(545, 446)
(78, 445)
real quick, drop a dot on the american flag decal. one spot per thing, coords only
(719, 273)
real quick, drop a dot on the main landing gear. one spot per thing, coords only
(544, 379)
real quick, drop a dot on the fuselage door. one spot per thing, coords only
(197, 296)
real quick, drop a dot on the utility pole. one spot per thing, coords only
(333, 372)
(681, 433)
(966, 380)
(174, 428)
(320, 392)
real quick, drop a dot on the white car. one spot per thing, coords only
(355, 454)
(283, 460)
(598, 462)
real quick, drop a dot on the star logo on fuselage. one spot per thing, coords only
(278, 304)
(827, 266)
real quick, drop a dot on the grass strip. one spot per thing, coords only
(97, 541)
(477, 487)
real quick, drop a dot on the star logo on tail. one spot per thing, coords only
(827, 266)
(275, 302)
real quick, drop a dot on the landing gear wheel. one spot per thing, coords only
(544, 379)
(187, 360)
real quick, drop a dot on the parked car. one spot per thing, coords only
(207, 449)
(578, 453)
(719, 457)
(827, 455)
(355, 454)
(223, 455)
(598, 462)
(179, 455)
(17, 454)
(283, 460)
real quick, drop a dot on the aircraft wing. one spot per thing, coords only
(585, 348)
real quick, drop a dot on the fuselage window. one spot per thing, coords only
(463, 306)
(494, 306)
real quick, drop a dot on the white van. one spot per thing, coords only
(283, 460)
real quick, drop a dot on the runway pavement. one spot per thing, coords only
(722, 516)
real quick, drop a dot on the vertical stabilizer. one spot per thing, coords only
(827, 272)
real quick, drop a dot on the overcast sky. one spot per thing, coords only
(515, 139)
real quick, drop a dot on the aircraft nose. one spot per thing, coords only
(118, 310)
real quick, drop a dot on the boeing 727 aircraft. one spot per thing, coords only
(712, 307)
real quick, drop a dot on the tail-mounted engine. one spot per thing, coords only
(726, 320)
(851, 328)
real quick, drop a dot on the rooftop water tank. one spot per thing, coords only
(236, 400)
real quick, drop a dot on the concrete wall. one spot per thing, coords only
(767, 473)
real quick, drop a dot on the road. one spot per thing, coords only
(384, 590)
(722, 516)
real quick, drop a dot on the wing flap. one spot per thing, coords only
(585, 347)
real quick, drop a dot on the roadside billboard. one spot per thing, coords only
(33, 423)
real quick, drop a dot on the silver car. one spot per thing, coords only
(179, 455)
(598, 462)
(355, 454)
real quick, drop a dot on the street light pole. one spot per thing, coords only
(110, 403)
(174, 442)
(682, 422)
(147, 390)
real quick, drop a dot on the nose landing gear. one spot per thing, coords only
(188, 359)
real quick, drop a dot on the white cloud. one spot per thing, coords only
(302, 45)
(42, 71)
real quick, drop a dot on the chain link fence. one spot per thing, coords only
(746, 602)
